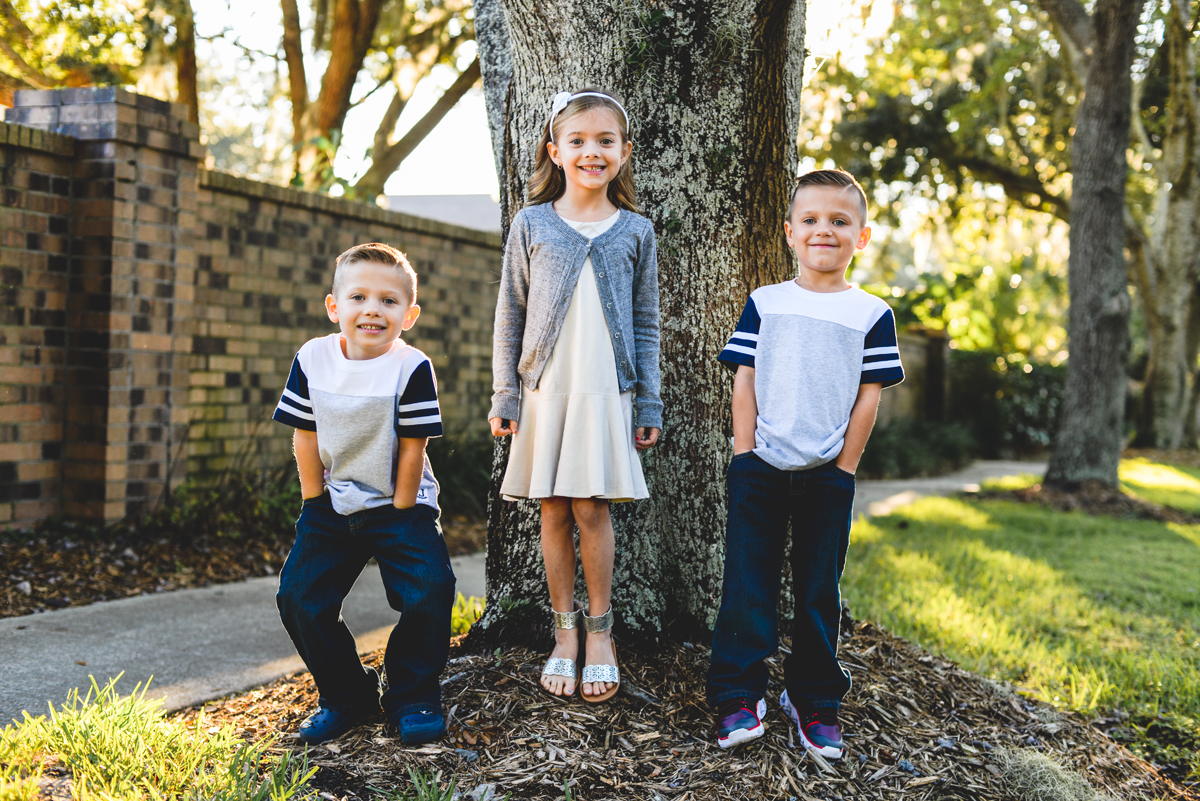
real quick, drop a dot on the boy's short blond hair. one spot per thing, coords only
(834, 177)
(376, 253)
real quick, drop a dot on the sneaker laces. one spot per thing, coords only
(826, 716)
(727, 708)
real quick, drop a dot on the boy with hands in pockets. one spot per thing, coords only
(364, 404)
(811, 357)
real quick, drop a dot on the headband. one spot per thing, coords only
(563, 98)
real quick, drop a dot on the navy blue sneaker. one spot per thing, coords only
(421, 725)
(328, 724)
(818, 728)
(739, 721)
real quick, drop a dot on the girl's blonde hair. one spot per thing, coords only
(547, 183)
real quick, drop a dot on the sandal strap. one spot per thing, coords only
(597, 673)
(599, 622)
(567, 620)
(556, 666)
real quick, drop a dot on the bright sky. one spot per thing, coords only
(456, 158)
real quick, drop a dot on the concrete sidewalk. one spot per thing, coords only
(204, 643)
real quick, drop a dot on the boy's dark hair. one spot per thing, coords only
(834, 177)
(376, 253)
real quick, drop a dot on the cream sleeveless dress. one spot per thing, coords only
(575, 435)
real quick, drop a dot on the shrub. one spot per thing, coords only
(1009, 408)
(907, 448)
(462, 462)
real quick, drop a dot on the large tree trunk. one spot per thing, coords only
(1088, 445)
(713, 92)
(1175, 247)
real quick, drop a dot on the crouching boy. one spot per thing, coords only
(811, 357)
(363, 404)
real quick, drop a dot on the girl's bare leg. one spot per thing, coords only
(558, 552)
(596, 552)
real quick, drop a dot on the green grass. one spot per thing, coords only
(464, 614)
(123, 747)
(1169, 485)
(1084, 612)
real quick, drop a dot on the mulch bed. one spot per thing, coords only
(42, 573)
(916, 725)
(1093, 498)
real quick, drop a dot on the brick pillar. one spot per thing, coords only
(130, 293)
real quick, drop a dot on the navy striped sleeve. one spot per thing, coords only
(881, 353)
(742, 345)
(417, 411)
(295, 408)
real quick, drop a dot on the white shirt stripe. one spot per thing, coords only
(294, 412)
(892, 349)
(744, 335)
(412, 407)
(740, 349)
(870, 366)
(413, 421)
(299, 401)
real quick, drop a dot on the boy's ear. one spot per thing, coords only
(787, 232)
(864, 236)
(414, 312)
(331, 308)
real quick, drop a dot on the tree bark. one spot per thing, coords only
(1090, 438)
(713, 92)
(1174, 249)
(186, 89)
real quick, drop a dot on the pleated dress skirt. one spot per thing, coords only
(575, 435)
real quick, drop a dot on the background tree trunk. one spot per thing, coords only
(1175, 243)
(185, 61)
(713, 92)
(1090, 436)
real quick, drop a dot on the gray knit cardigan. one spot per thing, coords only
(542, 262)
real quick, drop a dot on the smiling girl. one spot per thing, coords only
(576, 339)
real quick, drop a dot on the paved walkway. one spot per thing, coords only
(204, 643)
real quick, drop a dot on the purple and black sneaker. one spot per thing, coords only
(818, 728)
(739, 721)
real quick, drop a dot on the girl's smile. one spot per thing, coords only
(590, 151)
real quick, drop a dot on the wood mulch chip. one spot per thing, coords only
(55, 572)
(916, 725)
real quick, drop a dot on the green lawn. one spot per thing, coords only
(1169, 485)
(1088, 613)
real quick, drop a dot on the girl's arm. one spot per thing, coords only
(862, 420)
(645, 337)
(308, 463)
(509, 329)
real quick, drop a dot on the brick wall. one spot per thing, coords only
(36, 170)
(150, 310)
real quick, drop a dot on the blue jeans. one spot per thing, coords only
(819, 502)
(331, 551)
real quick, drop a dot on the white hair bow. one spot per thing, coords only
(563, 98)
(560, 102)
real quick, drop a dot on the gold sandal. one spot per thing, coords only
(593, 674)
(557, 666)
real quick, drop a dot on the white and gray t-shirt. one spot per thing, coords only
(360, 409)
(810, 352)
